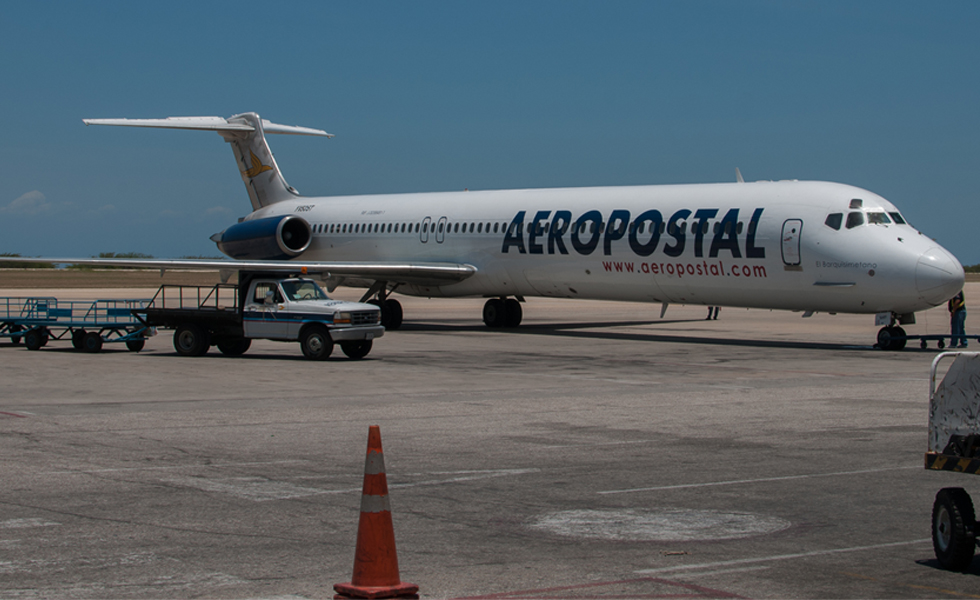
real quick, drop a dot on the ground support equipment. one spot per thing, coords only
(954, 445)
(88, 324)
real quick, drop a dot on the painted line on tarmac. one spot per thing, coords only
(761, 480)
(211, 466)
(778, 557)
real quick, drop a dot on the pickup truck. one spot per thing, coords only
(262, 307)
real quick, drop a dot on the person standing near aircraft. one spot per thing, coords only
(716, 310)
(957, 321)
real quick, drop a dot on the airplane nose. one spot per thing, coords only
(938, 276)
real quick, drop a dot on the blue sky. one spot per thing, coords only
(432, 96)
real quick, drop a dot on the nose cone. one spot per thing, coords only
(938, 276)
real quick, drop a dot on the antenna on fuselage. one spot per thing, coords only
(738, 176)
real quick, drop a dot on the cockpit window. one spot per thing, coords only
(897, 217)
(834, 220)
(303, 289)
(878, 218)
(855, 219)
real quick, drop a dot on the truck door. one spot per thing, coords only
(791, 242)
(265, 312)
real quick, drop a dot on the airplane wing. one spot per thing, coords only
(417, 273)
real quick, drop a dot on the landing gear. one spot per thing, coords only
(501, 312)
(391, 313)
(891, 338)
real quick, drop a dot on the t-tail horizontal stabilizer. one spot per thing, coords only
(246, 134)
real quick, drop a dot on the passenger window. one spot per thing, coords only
(855, 219)
(898, 218)
(834, 221)
(878, 218)
(717, 228)
(738, 230)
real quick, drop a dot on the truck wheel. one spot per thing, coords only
(234, 346)
(191, 340)
(92, 342)
(356, 350)
(77, 339)
(953, 535)
(35, 339)
(316, 342)
(135, 345)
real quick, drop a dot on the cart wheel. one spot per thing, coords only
(77, 339)
(34, 339)
(923, 344)
(953, 537)
(15, 339)
(92, 342)
(135, 345)
(941, 344)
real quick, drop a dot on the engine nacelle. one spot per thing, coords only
(272, 238)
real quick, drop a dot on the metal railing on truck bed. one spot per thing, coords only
(223, 296)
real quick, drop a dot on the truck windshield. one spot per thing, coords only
(303, 289)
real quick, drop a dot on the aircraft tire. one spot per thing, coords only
(316, 342)
(234, 346)
(135, 345)
(953, 529)
(886, 338)
(494, 313)
(34, 339)
(356, 350)
(191, 340)
(513, 313)
(391, 314)
(78, 339)
(92, 342)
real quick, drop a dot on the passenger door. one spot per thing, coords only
(792, 228)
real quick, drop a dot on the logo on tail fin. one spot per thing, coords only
(257, 167)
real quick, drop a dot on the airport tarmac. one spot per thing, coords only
(598, 451)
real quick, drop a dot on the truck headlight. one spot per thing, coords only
(341, 317)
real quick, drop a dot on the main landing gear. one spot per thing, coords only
(391, 309)
(502, 312)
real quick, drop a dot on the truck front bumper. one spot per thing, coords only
(347, 334)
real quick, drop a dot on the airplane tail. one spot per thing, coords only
(246, 134)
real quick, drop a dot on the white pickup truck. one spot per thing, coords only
(262, 307)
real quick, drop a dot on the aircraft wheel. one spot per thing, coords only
(316, 343)
(234, 346)
(898, 332)
(494, 313)
(391, 314)
(191, 340)
(953, 535)
(513, 312)
(135, 345)
(77, 339)
(92, 342)
(35, 339)
(356, 350)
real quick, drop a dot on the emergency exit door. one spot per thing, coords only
(791, 242)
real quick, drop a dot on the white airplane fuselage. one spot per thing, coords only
(757, 245)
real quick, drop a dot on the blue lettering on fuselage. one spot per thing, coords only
(546, 232)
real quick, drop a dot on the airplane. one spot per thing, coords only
(807, 246)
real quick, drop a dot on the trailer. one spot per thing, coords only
(895, 338)
(88, 324)
(954, 445)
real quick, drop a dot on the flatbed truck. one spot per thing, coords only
(262, 306)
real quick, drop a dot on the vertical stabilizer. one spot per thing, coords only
(246, 134)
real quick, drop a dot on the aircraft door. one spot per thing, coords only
(441, 230)
(792, 228)
(424, 232)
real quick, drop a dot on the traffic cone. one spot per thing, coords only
(375, 558)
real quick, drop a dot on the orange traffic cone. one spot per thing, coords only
(375, 558)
